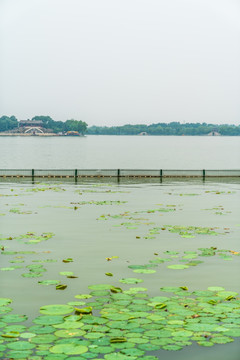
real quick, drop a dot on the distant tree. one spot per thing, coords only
(8, 123)
(45, 119)
(173, 128)
(75, 125)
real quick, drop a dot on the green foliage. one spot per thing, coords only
(8, 123)
(173, 128)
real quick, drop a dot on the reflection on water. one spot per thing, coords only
(124, 152)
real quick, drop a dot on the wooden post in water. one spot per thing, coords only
(161, 174)
(203, 174)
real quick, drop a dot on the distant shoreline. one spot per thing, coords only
(135, 135)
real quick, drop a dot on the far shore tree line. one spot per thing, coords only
(8, 123)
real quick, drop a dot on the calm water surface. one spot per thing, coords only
(126, 152)
(78, 234)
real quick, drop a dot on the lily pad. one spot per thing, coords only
(68, 349)
(144, 271)
(178, 267)
(49, 282)
(20, 345)
(131, 281)
(56, 309)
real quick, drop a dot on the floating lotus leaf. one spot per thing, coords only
(5, 309)
(67, 260)
(5, 301)
(101, 349)
(89, 319)
(138, 340)
(43, 339)
(15, 354)
(133, 352)
(159, 298)
(69, 333)
(235, 332)
(194, 262)
(190, 256)
(69, 325)
(170, 289)
(10, 334)
(12, 318)
(52, 356)
(121, 296)
(182, 333)
(222, 339)
(157, 333)
(61, 287)
(27, 335)
(8, 252)
(83, 296)
(99, 293)
(114, 289)
(32, 275)
(200, 327)
(137, 266)
(178, 266)
(131, 281)
(161, 341)
(100, 287)
(48, 320)
(76, 303)
(118, 356)
(38, 329)
(49, 282)
(94, 335)
(144, 271)
(108, 274)
(149, 347)
(225, 294)
(20, 345)
(216, 288)
(56, 309)
(205, 343)
(117, 316)
(68, 349)
(85, 310)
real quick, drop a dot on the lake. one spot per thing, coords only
(142, 236)
(125, 152)
(149, 236)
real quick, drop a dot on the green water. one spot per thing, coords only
(115, 219)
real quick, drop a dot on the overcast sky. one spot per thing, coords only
(113, 62)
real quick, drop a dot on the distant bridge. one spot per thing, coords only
(33, 129)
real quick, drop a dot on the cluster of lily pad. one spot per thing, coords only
(30, 237)
(189, 231)
(122, 324)
(46, 188)
(130, 215)
(104, 202)
(189, 258)
(19, 211)
(113, 323)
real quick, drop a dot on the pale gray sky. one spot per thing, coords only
(112, 62)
